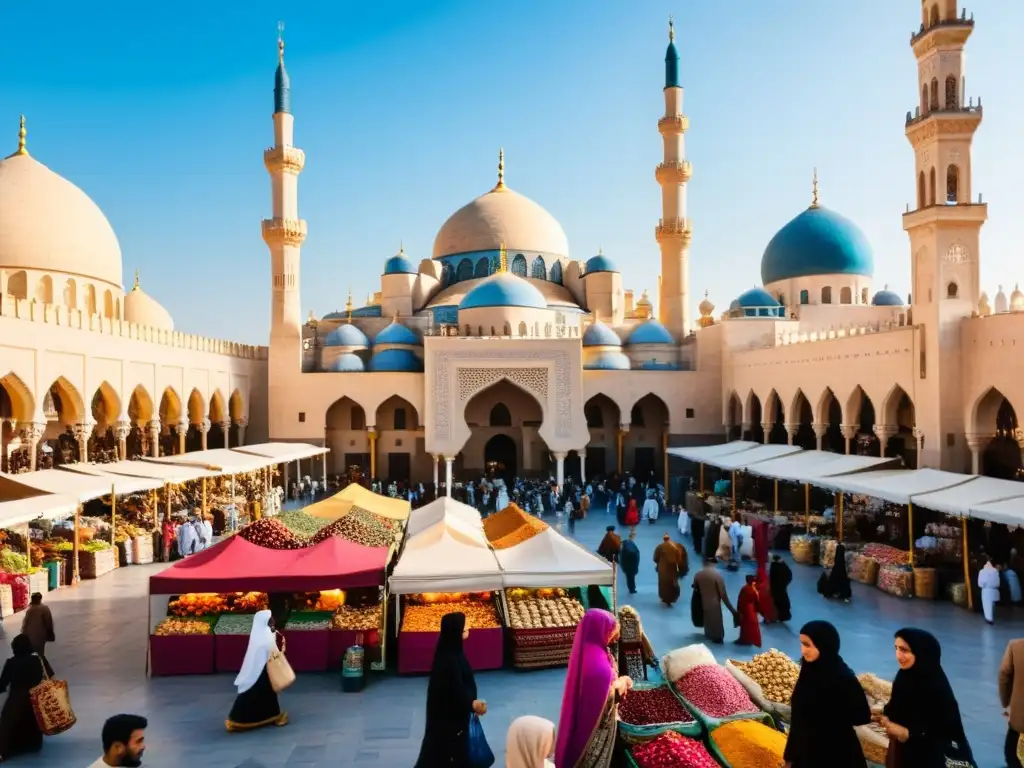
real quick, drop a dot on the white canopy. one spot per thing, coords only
(1008, 511)
(445, 558)
(898, 486)
(747, 458)
(168, 473)
(446, 509)
(81, 486)
(961, 499)
(701, 453)
(282, 452)
(221, 461)
(804, 466)
(551, 560)
(48, 505)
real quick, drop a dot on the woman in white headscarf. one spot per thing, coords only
(256, 704)
(530, 743)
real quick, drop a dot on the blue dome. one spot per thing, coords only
(817, 242)
(348, 363)
(504, 290)
(651, 332)
(756, 297)
(396, 361)
(399, 265)
(600, 263)
(608, 361)
(887, 298)
(346, 335)
(600, 335)
(396, 333)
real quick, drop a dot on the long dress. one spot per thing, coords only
(256, 704)
(837, 583)
(765, 603)
(712, 594)
(632, 515)
(779, 576)
(629, 559)
(19, 732)
(746, 604)
(666, 558)
(988, 583)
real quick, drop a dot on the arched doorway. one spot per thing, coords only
(504, 410)
(603, 419)
(501, 458)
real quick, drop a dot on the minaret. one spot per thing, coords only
(944, 228)
(283, 234)
(673, 231)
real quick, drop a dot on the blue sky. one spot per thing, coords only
(161, 113)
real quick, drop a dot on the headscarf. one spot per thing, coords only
(529, 742)
(922, 694)
(21, 645)
(449, 644)
(262, 643)
(588, 683)
(817, 677)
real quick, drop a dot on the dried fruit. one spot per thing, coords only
(775, 672)
(361, 527)
(537, 613)
(750, 744)
(652, 706)
(672, 750)
(233, 624)
(361, 619)
(271, 534)
(198, 604)
(427, 618)
(172, 626)
(714, 692)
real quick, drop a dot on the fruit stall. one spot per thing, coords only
(447, 566)
(336, 585)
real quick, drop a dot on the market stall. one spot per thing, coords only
(24, 567)
(447, 566)
(337, 579)
(355, 496)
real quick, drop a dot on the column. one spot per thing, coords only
(241, 424)
(919, 445)
(766, 428)
(435, 460)
(977, 444)
(448, 462)
(122, 428)
(559, 470)
(4, 443)
(225, 428)
(323, 462)
(849, 432)
(82, 433)
(745, 428)
(791, 430)
(819, 434)
(623, 431)
(371, 432)
(154, 438)
(883, 432)
(286, 473)
(728, 430)
(31, 433)
(181, 429)
(583, 467)
(204, 430)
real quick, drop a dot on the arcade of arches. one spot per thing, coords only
(68, 428)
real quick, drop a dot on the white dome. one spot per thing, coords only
(49, 224)
(501, 216)
(142, 309)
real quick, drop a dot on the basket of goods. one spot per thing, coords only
(18, 582)
(769, 678)
(804, 549)
(174, 626)
(866, 568)
(142, 549)
(360, 527)
(897, 580)
(511, 526)
(352, 619)
(677, 663)
(957, 593)
(886, 555)
(95, 559)
(748, 744)
(543, 623)
(873, 739)
(39, 581)
(926, 584)
(828, 552)
(270, 534)
(6, 600)
(670, 749)
(650, 709)
(427, 618)
(714, 696)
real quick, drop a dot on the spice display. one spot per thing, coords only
(271, 534)
(804, 549)
(248, 602)
(198, 604)
(885, 554)
(677, 663)
(511, 526)
(361, 619)
(714, 692)
(297, 624)
(233, 624)
(774, 671)
(361, 527)
(750, 744)
(300, 523)
(172, 626)
(328, 600)
(672, 750)
(896, 580)
(546, 612)
(427, 618)
(652, 706)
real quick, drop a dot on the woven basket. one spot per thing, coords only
(638, 734)
(897, 581)
(867, 573)
(804, 550)
(873, 744)
(925, 583)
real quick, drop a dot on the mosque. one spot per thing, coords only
(504, 352)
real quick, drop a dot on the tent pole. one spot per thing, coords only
(74, 548)
(664, 453)
(910, 530)
(113, 515)
(156, 507)
(807, 507)
(775, 490)
(28, 544)
(733, 484)
(702, 477)
(967, 569)
(839, 517)
(202, 507)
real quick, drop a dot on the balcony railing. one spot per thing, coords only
(924, 29)
(917, 116)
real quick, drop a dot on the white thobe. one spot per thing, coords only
(988, 582)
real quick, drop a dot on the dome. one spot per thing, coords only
(396, 361)
(501, 216)
(817, 242)
(49, 224)
(142, 309)
(504, 290)
(706, 307)
(756, 297)
(348, 363)
(1016, 300)
(599, 263)
(651, 332)
(887, 298)
(399, 265)
(346, 335)
(600, 335)
(396, 333)
(1002, 305)
(608, 361)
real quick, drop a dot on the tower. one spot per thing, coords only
(283, 234)
(673, 230)
(944, 228)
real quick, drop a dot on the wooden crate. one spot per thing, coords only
(39, 582)
(142, 549)
(92, 565)
(6, 600)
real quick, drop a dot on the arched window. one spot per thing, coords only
(556, 273)
(357, 419)
(826, 295)
(90, 299)
(464, 271)
(400, 418)
(952, 184)
(636, 416)
(481, 268)
(782, 299)
(44, 291)
(920, 190)
(924, 98)
(469, 329)
(845, 295)
(951, 291)
(108, 304)
(863, 295)
(951, 100)
(933, 102)
(70, 294)
(805, 297)
(522, 329)
(500, 416)
(537, 270)
(931, 186)
(595, 416)
(519, 265)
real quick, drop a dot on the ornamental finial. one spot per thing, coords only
(136, 286)
(280, 42)
(502, 258)
(814, 190)
(21, 138)
(501, 171)
(401, 247)
(600, 251)
(671, 28)
(348, 304)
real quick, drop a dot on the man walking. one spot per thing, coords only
(629, 559)
(38, 625)
(1011, 695)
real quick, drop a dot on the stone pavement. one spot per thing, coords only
(101, 650)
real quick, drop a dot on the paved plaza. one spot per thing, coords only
(101, 650)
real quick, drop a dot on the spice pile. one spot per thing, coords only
(750, 744)
(427, 618)
(360, 527)
(198, 604)
(299, 623)
(271, 534)
(678, 662)
(672, 750)
(300, 523)
(775, 672)
(360, 619)
(537, 613)
(885, 554)
(511, 526)
(896, 580)
(652, 706)
(172, 626)
(714, 692)
(233, 624)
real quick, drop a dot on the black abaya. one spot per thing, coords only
(19, 731)
(256, 706)
(838, 583)
(779, 578)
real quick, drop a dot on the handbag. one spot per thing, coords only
(480, 754)
(279, 670)
(51, 704)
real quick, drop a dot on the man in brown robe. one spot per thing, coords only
(684, 559)
(610, 546)
(38, 625)
(711, 587)
(666, 560)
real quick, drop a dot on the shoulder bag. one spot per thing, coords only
(480, 754)
(279, 670)
(51, 704)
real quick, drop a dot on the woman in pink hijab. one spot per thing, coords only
(588, 722)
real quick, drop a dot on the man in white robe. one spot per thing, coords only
(988, 583)
(186, 539)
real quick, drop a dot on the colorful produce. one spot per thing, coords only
(896, 580)
(677, 663)
(361, 527)
(714, 692)
(356, 619)
(301, 524)
(750, 744)
(427, 618)
(316, 625)
(95, 545)
(233, 624)
(885, 554)
(198, 604)
(672, 750)
(19, 588)
(13, 562)
(271, 534)
(248, 602)
(171, 626)
(775, 672)
(536, 613)
(652, 706)
(511, 526)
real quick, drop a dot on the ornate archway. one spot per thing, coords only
(347, 437)
(501, 458)
(514, 443)
(995, 419)
(603, 419)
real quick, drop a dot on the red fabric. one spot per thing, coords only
(236, 565)
(750, 630)
(168, 533)
(760, 533)
(765, 604)
(632, 515)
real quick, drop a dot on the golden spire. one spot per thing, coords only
(500, 186)
(21, 138)
(401, 247)
(671, 28)
(369, 299)
(814, 190)
(600, 251)
(502, 258)
(136, 286)
(348, 304)
(280, 42)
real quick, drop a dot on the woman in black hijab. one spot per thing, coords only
(922, 718)
(19, 732)
(451, 700)
(827, 703)
(837, 583)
